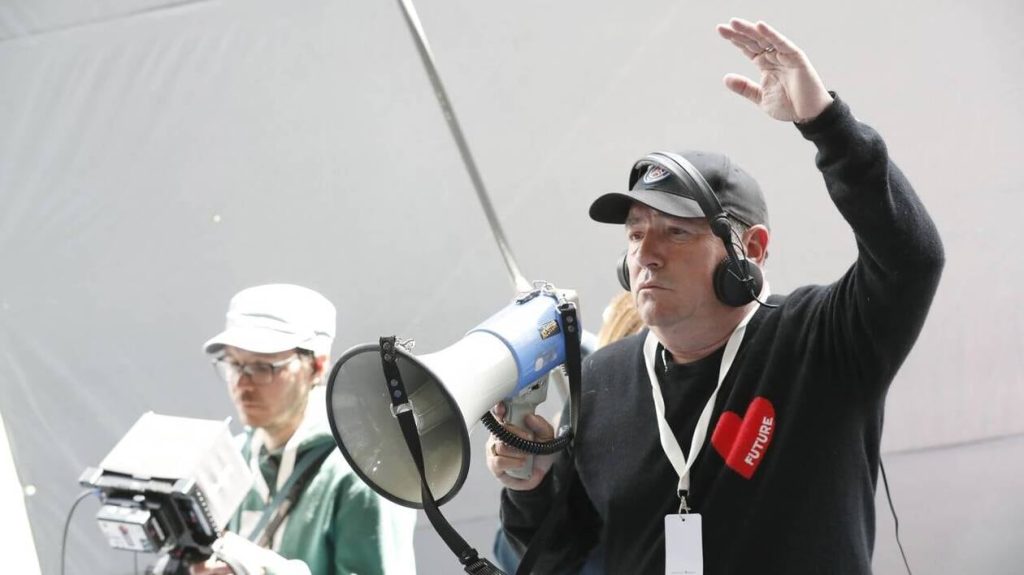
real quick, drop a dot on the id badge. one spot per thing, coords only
(684, 548)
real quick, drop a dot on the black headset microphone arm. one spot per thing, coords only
(741, 272)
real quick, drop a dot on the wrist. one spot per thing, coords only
(816, 108)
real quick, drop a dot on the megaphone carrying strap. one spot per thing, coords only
(468, 556)
(403, 411)
(574, 369)
(571, 337)
(573, 364)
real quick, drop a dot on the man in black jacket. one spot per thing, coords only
(731, 437)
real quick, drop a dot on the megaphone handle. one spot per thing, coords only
(516, 410)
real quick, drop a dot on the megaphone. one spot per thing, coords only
(448, 390)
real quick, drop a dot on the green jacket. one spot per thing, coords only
(338, 526)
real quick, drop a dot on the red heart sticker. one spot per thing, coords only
(742, 443)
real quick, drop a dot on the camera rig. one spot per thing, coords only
(169, 486)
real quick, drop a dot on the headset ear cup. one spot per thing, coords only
(729, 286)
(622, 271)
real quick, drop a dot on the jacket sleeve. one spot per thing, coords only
(576, 529)
(878, 307)
(373, 535)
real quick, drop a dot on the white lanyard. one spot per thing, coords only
(310, 421)
(668, 439)
(284, 470)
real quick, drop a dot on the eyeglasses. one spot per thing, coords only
(259, 372)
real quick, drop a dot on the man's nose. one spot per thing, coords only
(647, 253)
(244, 380)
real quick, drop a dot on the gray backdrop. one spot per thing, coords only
(156, 156)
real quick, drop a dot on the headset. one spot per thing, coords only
(736, 281)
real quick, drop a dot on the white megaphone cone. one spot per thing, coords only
(448, 391)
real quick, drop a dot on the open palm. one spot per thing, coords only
(790, 89)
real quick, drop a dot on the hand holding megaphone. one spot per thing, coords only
(501, 458)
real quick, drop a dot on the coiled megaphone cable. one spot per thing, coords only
(500, 432)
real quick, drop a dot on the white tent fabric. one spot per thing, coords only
(22, 548)
(157, 156)
(23, 18)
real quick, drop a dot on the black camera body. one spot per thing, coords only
(169, 487)
(153, 515)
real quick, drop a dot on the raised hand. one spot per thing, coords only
(790, 89)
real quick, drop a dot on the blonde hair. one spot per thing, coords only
(620, 319)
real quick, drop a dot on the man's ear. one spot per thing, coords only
(755, 243)
(320, 364)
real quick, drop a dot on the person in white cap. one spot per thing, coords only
(307, 505)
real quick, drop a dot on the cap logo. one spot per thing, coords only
(655, 174)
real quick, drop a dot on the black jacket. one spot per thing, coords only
(802, 499)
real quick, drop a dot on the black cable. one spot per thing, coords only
(535, 447)
(895, 520)
(763, 303)
(67, 525)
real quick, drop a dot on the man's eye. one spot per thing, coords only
(634, 236)
(261, 368)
